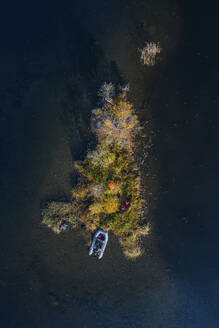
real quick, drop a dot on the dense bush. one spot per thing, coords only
(109, 192)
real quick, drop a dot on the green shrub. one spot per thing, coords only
(109, 176)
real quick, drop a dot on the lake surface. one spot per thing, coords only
(53, 60)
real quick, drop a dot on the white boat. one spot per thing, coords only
(99, 242)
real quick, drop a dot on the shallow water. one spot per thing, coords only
(51, 67)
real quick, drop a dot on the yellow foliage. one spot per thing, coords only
(96, 208)
(144, 230)
(115, 189)
(110, 204)
(106, 171)
(131, 246)
(81, 191)
(133, 252)
(108, 123)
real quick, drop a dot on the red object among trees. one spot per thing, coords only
(110, 184)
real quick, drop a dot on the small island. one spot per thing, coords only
(109, 191)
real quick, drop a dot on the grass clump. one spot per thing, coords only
(108, 194)
(54, 213)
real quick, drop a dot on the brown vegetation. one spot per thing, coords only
(109, 192)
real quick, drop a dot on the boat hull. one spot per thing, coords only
(99, 243)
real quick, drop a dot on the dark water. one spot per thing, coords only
(53, 59)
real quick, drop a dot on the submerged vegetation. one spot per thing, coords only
(149, 53)
(108, 194)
